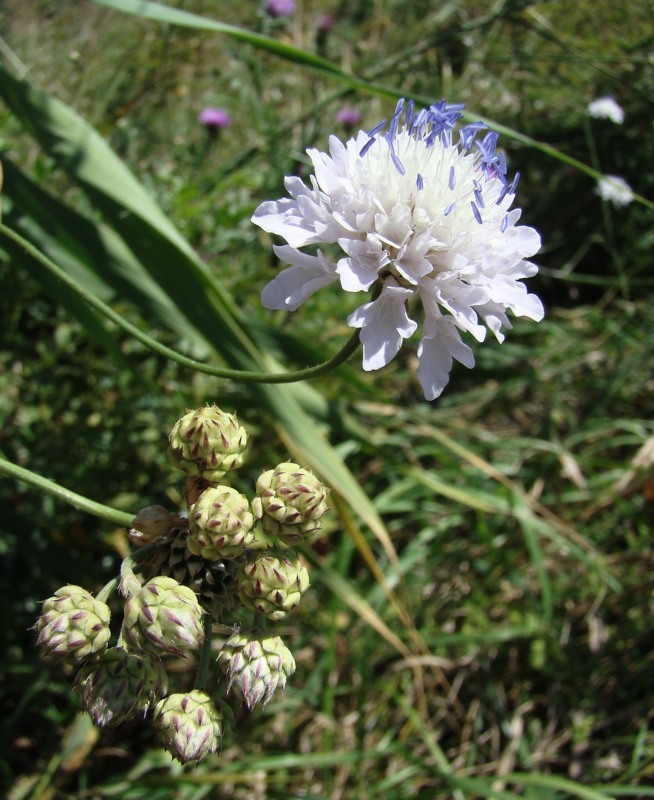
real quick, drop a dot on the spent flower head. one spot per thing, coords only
(422, 218)
(120, 686)
(606, 108)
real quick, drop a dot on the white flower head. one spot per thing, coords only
(615, 189)
(422, 221)
(606, 108)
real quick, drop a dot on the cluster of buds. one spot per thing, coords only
(225, 555)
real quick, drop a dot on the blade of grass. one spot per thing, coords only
(555, 783)
(539, 515)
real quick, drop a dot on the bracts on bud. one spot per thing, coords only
(73, 625)
(221, 524)
(163, 617)
(272, 584)
(189, 724)
(207, 442)
(255, 668)
(290, 502)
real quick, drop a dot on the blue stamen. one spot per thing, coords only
(395, 119)
(505, 222)
(419, 182)
(379, 127)
(476, 213)
(409, 113)
(398, 164)
(449, 209)
(451, 182)
(468, 133)
(367, 146)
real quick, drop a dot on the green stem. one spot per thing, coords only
(205, 655)
(218, 372)
(121, 518)
(103, 595)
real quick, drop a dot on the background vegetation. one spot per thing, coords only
(514, 656)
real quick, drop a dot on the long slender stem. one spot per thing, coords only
(218, 372)
(121, 518)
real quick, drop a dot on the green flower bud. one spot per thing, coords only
(73, 625)
(221, 523)
(272, 584)
(255, 668)
(163, 617)
(120, 685)
(290, 502)
(189, 724)
(207, 442)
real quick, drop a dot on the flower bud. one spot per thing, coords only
(120, 685)
(255, 668)
(221, 523)
(189, 724)
(163, 617)
(207, 442)
(272, 584)
(290, 502)
(73, 625)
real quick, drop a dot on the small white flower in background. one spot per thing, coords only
(615, 189)
(421, 219)
(606, 108)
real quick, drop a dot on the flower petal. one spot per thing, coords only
(436, 355)
(384, 324)
(288, 290)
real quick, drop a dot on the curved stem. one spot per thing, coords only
(121, 518)
(218, 372)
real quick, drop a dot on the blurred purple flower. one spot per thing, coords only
(348, 116)
(325, 23)
(280, 8)
(214, 118)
